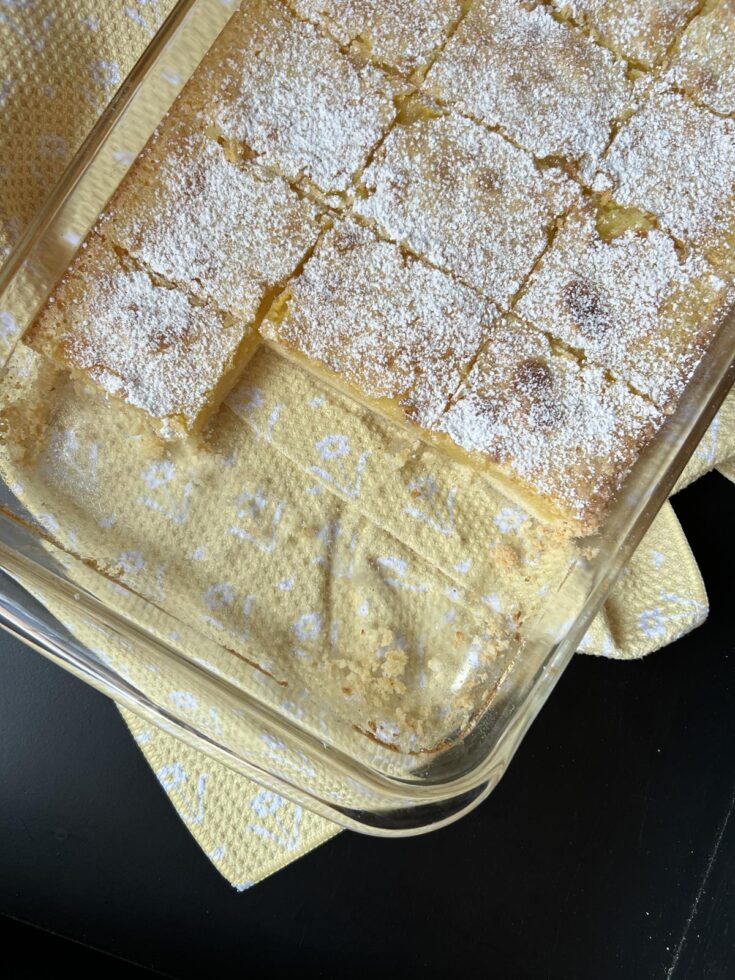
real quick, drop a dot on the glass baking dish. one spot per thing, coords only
(457, 671)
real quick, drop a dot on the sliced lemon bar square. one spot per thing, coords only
(555, 434)
(639, 30)
(676, 161)
(228, 234)
(703, 61)
(544, 84)
(631, 304)
(148, 345)
(466, 199)
(282, 91)
(400, 34)
(381, 324)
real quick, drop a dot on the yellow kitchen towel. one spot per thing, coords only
(59, 65)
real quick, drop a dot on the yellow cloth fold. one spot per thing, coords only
(59, 65)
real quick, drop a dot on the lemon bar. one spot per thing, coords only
(544, 84)
(148, 345)
(382, 325)
(400, 34)
(676, 161)
(630, 304)
(703, 62)
(466, 199)
(553, 433)
(639, 30)
(225, 233)
(284, 92)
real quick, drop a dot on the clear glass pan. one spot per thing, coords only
(306, 744)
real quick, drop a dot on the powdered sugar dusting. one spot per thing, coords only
(677, 161)
(640, 30)
(399, 33)
(465, 198)
(547, 86)
(423, 335)
(389, 325)
(561, 428)
(286, 91)
(703, 63)
(225, 233)
(140, 342)
(631, 304)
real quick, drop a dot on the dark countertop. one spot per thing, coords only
(608, 850)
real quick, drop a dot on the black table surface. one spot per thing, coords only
(607, 851)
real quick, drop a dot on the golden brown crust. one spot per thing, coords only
(466, 199)
(228, 234)
(630, 304)
(703, 64)
(396, 331)
(556, 428)
(638, 30)
(284, 91)
(147, 344)
(549, 88)
(400, 34)
(676, 161)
